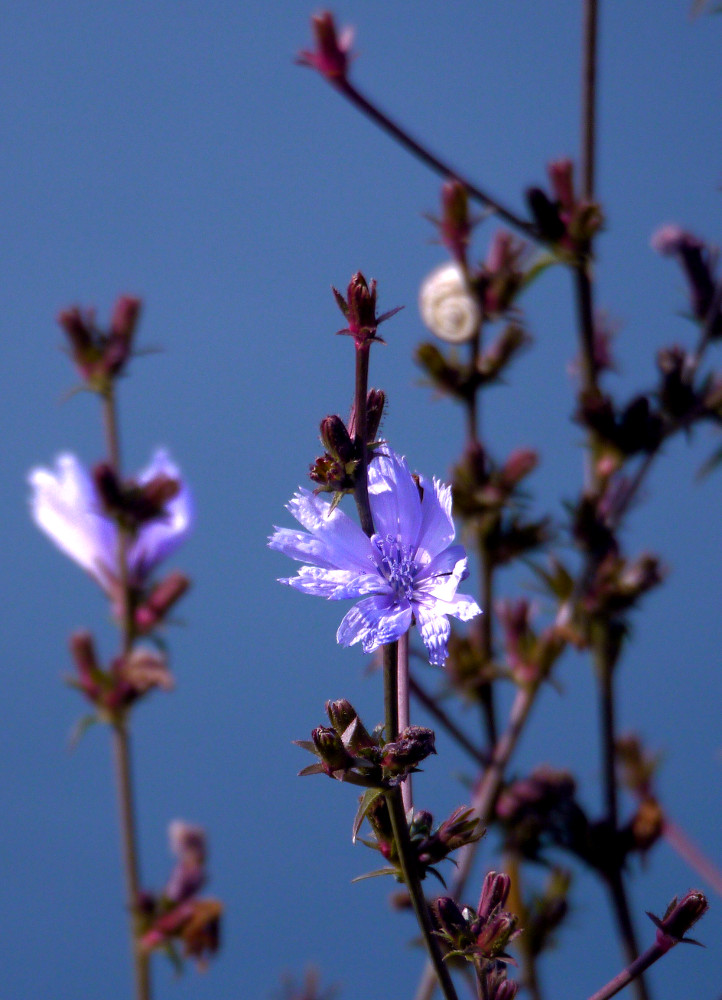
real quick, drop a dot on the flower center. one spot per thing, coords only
(396, 564)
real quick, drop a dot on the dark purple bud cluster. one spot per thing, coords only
(480, 936)
(348, 752)
(335, 470)
(564, 220)
(127, 679)
(541, 811)
(130, 503)
(101, 355)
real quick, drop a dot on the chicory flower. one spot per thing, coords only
(407, 571)
(65, 504)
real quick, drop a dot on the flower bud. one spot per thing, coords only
(456, 224)
(413, 745)
(546, 215)
(341, 714)
(336, 439)
(331, 750)
(493, 894)
(122, 330)
(447, 305)
(359, 308)
(375, 403)
(679, 917)
(159, 602)
(697, 261)
(331, 56)
(82, 649)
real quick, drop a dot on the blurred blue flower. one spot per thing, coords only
(408, 571)
(65, 504)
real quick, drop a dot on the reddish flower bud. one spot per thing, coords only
(493, 894)
(561, 175)
(122, 330)
(359, 308)
(160, 600)
(456, 224)
(331, 750)
(82, 648)
(331, 56)
(679, 917)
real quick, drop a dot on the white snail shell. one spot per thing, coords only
(447, 305)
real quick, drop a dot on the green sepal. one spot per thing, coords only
(365, 803)
(81, 727)
(380, 871)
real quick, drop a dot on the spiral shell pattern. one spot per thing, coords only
(447, 306)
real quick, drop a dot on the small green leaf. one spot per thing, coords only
(81, 727)
(365, 803)
(376, 874)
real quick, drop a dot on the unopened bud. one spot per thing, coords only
(336, 439)
(493, 894)
(331, 750)
(546, 215)
(375, 403)
(160, 600)
(109, 487)
(680, 917)
(122, 330)
(413, 745)
(331, 56)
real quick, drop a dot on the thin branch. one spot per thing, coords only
(364, 105)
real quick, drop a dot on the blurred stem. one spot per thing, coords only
(605, 651)
(483, 804)
(529, 978)
(695, 858)
(634, 969)
(437, 165)
(121, 736)
(434, 708)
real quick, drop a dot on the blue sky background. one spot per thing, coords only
(173, 150)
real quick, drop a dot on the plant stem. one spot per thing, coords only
(483, 804)
(404, 720)
(413, 884)
(688, 850)
(437, 165)
(361, 492)
(633, 970)
(121, 736)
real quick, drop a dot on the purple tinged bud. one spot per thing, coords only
(680, 917)
(341, 714)
(160, 600)
(122, 330)
(447, 914)
(79, 331)
(331, 56)
(336, 439)
(697, 262)
(359, 308)
(561, 175)
(331, 750)
(375, 403)
(82, 649)
(493, 894)
(456, 224)
(413, 745)
(546, 215)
